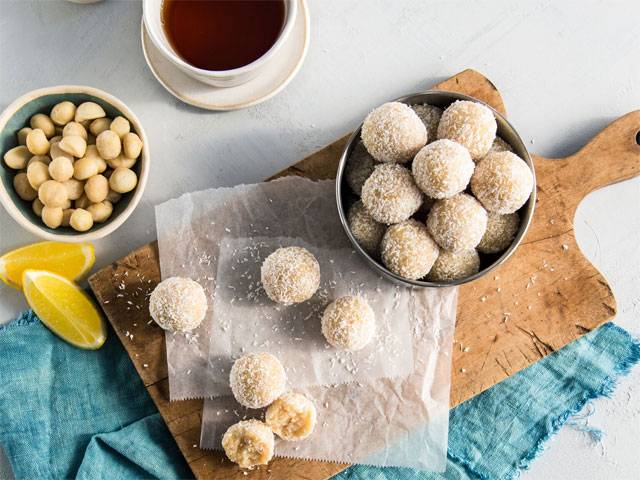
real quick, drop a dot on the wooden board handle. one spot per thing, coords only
(613, 155)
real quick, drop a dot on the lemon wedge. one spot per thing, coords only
(64, 308)
(71, 260)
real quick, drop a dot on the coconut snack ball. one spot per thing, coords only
(501, 230)
(457, 223)
(393, 133)
(248, 443)
(442, 169)
(430, 116)
(471, 124)
(290, 275)
(257, 379)
(359, 166)
(176, 304)
(408, 250)
(365, 229)
(390, 195)
(349, 323)
(502, 182)
(454, 265)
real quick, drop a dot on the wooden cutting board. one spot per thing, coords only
(545, 296)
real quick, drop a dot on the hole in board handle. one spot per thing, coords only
(638, 137)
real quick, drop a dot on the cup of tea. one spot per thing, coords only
(223, 43)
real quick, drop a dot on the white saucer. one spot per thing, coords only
(285, 66)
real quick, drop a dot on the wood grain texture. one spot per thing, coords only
(545, 296)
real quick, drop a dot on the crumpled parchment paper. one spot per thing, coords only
(401, 422)
(246, 320)
(191, 228)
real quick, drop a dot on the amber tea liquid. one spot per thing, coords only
(222, 34)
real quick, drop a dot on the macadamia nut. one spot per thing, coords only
(99, 125)
(100, 212)
(22, 135)
(89, 111)
(74, 128)
(109, 145)
(37, 174)
(74, 145)
(81, 220)
(23, 188)
(61, 169)
(75, 188)
(37, 142)
(52, 193)
(17, 157)
(123, 180)
(96, 188)
(132, 145)
(120, 126)
(52, 216)
(44, 123)
(85, 168)
(62, 113)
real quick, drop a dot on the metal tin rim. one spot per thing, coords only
(526, 210)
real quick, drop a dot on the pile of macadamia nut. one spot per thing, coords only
(437, 189)
(74, 164)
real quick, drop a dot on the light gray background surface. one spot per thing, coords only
(565, 69)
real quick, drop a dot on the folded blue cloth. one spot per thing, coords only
(499, 432)
(66, 412)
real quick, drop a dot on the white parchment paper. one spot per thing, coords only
(190, 230)
(385, 422)
(246, 320)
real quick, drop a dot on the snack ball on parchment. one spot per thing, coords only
(502, 182)
(454, 265)
(349, 323)
(359, 166)
(408, 250)
(471, 124)
(248, 443)
(290, 275)
(178, 304)
(501, 230)
(393, 133)
(457, 223)
(442, 169)
(292, 416)
(430, 116)
(257, 379)
(365, 229)
(390, 195)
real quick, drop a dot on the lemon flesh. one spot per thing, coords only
(64, 308)
(70, 260)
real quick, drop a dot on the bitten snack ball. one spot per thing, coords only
(501, 230)
(502, 182)
(408, 250)
(457, 223)
(349, 323)
(257, 379)
(454, 265)
(430, 116)
(390, 195)
(290, 275)
(359, 167)
(177, 304)
(442, 169)
(365, 229)
(248, 443)
(393, 133)
(292, 416)
(471, 124)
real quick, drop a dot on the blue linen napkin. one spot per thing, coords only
(66, 412)
(499, 432)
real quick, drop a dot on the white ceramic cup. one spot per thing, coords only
(152, 16)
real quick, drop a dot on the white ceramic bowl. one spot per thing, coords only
(17, 115)
(152, 17)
